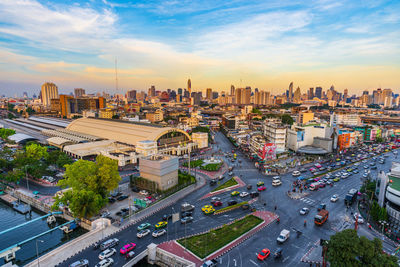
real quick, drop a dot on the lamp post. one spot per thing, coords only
(37, 251)
(383, 223)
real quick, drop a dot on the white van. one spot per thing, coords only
(283, 236)
(314, 186)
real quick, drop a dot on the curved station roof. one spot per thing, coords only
(121, 131)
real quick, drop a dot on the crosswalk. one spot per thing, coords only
(307, 200)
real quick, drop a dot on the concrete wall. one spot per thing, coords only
(164, 258)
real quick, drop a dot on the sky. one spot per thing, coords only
(264, 44)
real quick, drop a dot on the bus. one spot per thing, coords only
(321, 217)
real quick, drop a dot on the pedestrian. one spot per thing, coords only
(275, 207)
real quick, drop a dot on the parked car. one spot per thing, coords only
(144, 192)
(116, 194)
(123, 197)
(80, 263)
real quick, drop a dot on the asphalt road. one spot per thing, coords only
(287, 209)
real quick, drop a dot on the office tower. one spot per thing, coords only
(232, 89)
(131, 95)
(25, 95)
(310, 93)
(257, 98)
(238, 95)
(318, 92)
(365, 99)
(209, 93)
(189, 86)
(79, 92)
(196, 98)
(377, 96)
(141, 96)
(256, 90)
(34, 96)
(180, 91)
(386, 93)
(172, 94)
(290, 93)
(49, 91)
(345, 95)
(297, 95)
(246, 96)
(152, 91)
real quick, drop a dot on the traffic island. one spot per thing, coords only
(218, 241)
(229, 208)
(233, 183)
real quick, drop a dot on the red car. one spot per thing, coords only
(128, 247)
(263, 254)
(261, 188)
(217, 203)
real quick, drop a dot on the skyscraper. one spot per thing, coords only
(310, 94)
(232, 89)
(152, 91)
(246, 94)
(49, 91)
(131, 95)
(209, 93)
(297, 95)
(79, 92)
(179, 91)
(318, 92)
(25, 95)
(238, 95)
(290, 96)
(189, 86)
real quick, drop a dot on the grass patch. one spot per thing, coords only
(228, 183)
(231, 207)
(211, 167)
(193, 163)
(205, 244)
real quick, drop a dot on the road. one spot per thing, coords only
(287, 209)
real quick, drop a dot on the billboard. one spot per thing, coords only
(300, 136)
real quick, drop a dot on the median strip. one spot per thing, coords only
(228, 183)
(229, 208)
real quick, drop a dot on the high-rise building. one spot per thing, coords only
(131, 95)
(196, 98)
(25, 95)
(290, 96)
(180, 91)
(310, 94)
(318, 92)
(209, 93)
(189, 86)
(48, 91)
(268, 98)
(246, 95)
(79, 92)
(297, 95)
(152, 91)
(214, 95)
(232, 89)
(238, 95)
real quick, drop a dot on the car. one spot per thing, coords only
(373, 167)
(303, 170)
(321, 184)
(358, 217)
(143, 233)
(260, 183)
(217, 203)
(209, 211)
(213, 182)
(128, 247)
(107, 253)
(186, 219)
(105, 214)
(206, 207)
(80, 263)
(135, 189)
(230, 173)
(235, 193)
(263, 254)
(304, 211)
(210, 263)
(321, 206)
(105, 263)
(159, 232)
(120, 198)
(112, 242)
(111, 200)
(322, 168)
(116, 194)
(213, 199)
(365, 175)
(143, 192)
(166, 217)
(334, 198)
(244, 194)
(296, 173)
(232, 202)
(337, 179)
(161, 224)
(221, 177)
(187, 214)
(276, 182)
(249, 187)
(261, 188)
(366, 166)
(143, 226)
(254, 194)
(355, 171)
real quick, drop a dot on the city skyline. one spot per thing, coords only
(216, 44)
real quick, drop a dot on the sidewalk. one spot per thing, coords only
(70, 249)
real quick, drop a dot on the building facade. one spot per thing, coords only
(48, 91)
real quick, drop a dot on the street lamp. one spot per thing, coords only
(383, 223)
(37, 251)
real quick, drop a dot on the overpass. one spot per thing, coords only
(380, 119)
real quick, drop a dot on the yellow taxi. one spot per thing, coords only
(209, 210)
(206, 207)
(161, 224)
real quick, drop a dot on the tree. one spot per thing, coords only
(379, 139)
(287, 119)
(30, 111)
(115, 117)
(35, 152)
(256, 111)
(346, 248)
(63, 160)
(14, 175)
(5, 133)
(91, 182)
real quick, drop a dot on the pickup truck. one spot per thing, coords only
(284, 235)
(210, 263)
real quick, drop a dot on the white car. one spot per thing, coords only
(159, 232)
(296, 173)
(244, 194)
(107, 253)
(276, 182)
(358, 217)
(143, 233)
(230, 173)
(213, 199)
(105, 263)
(144, 192)
(304, 211)
(334, 198)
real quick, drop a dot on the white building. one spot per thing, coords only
(201, 139)
(276, 134)
(350, 119)
(299, 136)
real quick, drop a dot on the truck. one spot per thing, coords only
(283, 236)
(186, 207)
(350, 197)
(210, 263)
(321, 217)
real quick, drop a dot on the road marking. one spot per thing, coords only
(285, 259)
(234, 260)
(254, 263)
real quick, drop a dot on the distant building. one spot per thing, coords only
(49, 91)
(79, 92)
(305, 117)
(189, 86)
(131, 95)
(290, 92)
(201, 139)
(348, 119)
(161, 169)
(152, 91)
(275, 133)
(107, 113)
(232, 89)
(209, 93)
(318, 92)
(196, 98)
(156, 116)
